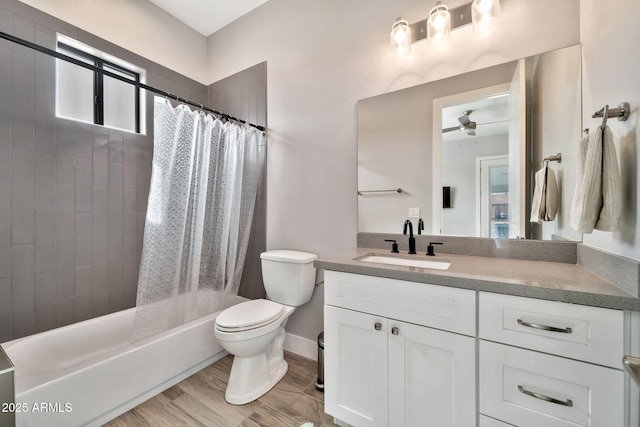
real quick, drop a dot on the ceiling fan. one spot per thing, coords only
(465, 124)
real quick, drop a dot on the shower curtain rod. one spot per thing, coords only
(166, 94)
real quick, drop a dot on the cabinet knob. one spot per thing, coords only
(395, 331)
(378, 326)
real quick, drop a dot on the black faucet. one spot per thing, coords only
(412, 240)
(430, 251)
(394, 246)
(420, 226)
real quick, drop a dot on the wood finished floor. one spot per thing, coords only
(199, 401)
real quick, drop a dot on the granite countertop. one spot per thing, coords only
(5, 363)
(535, 279)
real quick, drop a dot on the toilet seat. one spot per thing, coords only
(249, 315)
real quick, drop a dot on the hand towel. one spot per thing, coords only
(544, 205)
(596, 201)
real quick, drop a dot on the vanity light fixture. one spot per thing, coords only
(401, 38)
(439, 25)
(485, 15)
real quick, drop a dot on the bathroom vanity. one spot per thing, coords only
(488, 342)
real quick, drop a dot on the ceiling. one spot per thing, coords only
(208, 16)
(491, 115)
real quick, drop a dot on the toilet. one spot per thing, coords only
(253, 331)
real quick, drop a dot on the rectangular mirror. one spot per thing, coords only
(473, 143)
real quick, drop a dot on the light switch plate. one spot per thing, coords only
(414, 212)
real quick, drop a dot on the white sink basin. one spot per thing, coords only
(417, 261)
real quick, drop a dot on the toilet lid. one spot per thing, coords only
(249, 314)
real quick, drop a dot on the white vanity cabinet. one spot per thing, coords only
(399, 353)
(546, 363)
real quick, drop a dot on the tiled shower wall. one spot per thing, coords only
(244, 96)
(72, 196)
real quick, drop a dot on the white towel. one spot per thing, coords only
(544, 205)
(596, 201)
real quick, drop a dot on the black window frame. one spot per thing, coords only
(98, 83)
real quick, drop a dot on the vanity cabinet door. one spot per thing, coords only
(431, 377)
(356, 385)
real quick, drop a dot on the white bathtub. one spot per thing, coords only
(88, 373)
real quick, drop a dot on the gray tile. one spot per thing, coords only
(116, 247)
(84, 279)
(100, 253)
(5, 115)
(23, 280)
(65, 225)
(23, 28)
(45, 296)
(84, 140)
(116, 299)
(22, 85)
(45, 241)
(101, 302)
(130, 174)
(144, 181)
(116, 274)
(116, 224)
(22, 208)
(84, 305)
(45, 64)
(5, 59)
(116, 146)
(65, 269)
(116, 188)
(24, 321)
(5, 309)
(65, 152)
(84, 226)
(5, 179)
(45, 185)
(84, 187)
(83, 252)
(100, 159)
(45, 123)
(64, 197)
(22, 163)
(100, 212)
(5, 245)
(65, 309)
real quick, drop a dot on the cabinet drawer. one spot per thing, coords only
(530, 389)
(440, 307)
(580, 332)
(490, 422)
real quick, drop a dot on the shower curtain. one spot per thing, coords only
(204, 182)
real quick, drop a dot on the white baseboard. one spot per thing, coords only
(301, 346)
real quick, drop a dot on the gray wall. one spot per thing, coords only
(72, 196)
(244, 96)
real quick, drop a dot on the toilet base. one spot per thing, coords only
(253, 376)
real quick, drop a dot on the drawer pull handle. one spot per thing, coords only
(567, 402)
(378, 326)
(544, 327)
(395, 331)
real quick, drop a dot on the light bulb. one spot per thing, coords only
(401, 38)
(484, 14)
(439, 24)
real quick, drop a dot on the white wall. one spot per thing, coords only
(322, 57)
(459, 173)
(139, 26)
(611, 74)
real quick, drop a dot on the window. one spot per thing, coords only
(91, 96)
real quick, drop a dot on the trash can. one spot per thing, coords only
(320, 380)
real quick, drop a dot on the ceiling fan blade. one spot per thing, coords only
(451, 129)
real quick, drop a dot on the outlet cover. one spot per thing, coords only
(414, 212)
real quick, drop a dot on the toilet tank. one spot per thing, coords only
(289, 276)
